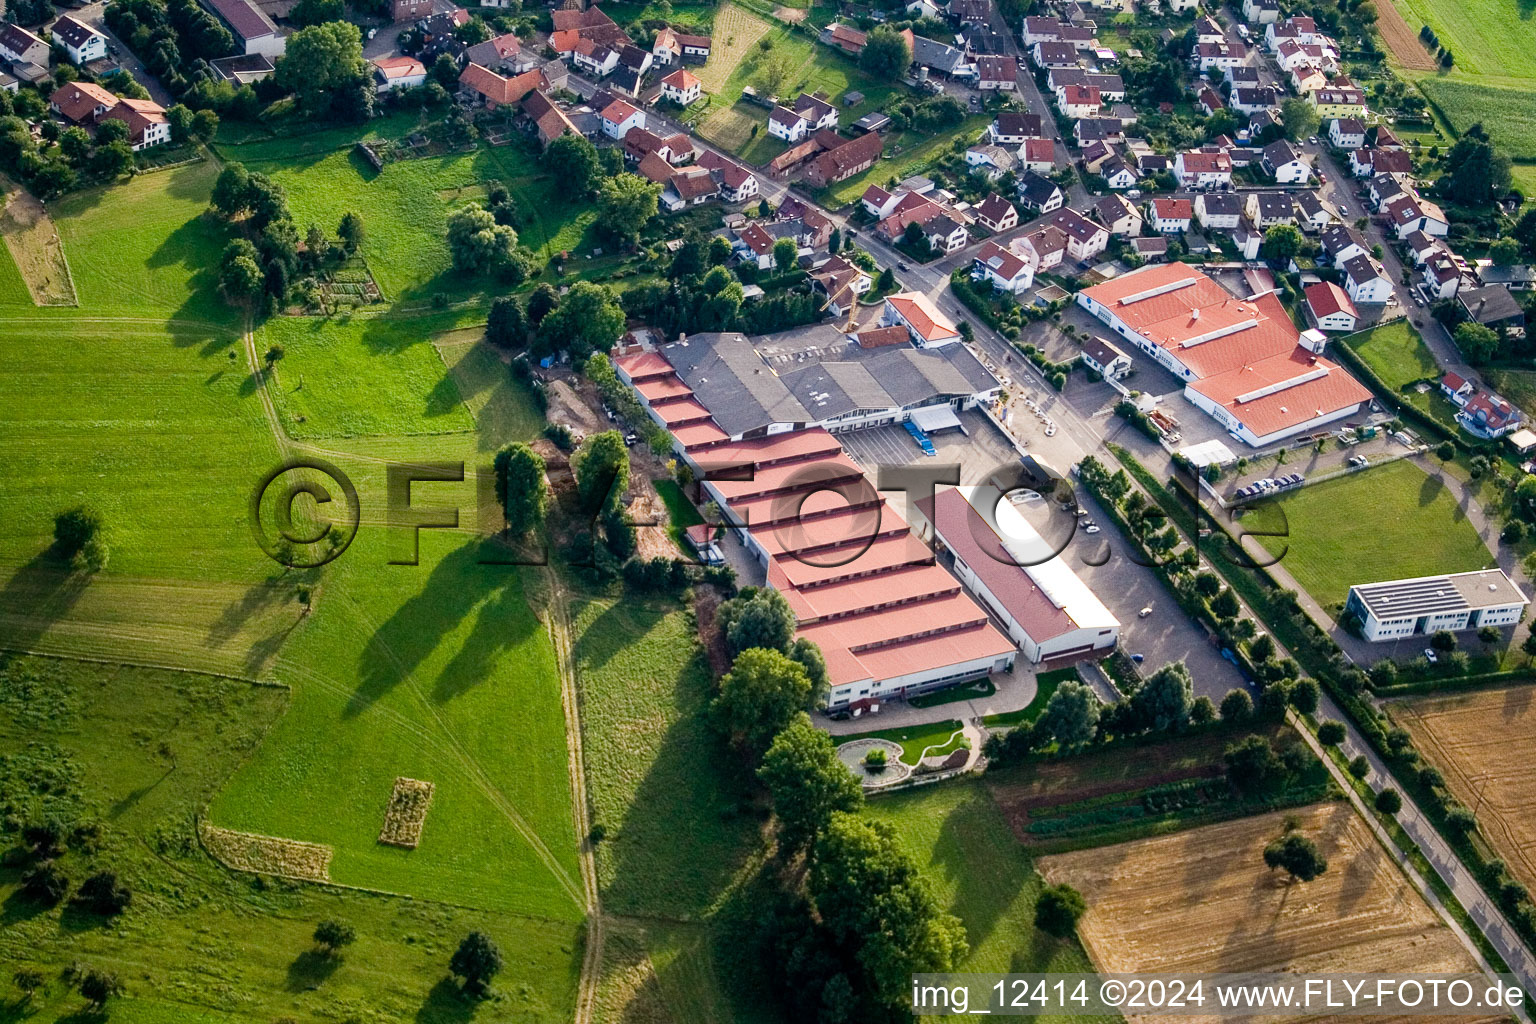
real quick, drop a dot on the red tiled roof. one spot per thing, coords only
(681, 79)
(1327, 298)
(924, 317)
(879, 337)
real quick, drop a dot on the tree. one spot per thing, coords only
(1297, 855)
(1224, 605)
(521, 488)
(785, 254)
(879, 909)
(1282, 242)
(541, 302)
(588, 319)
(1236, 706)
(887, 280)
(1262, 648)
(1504, 252)
(480, 245)
(316, 12)
(1162, 702)
(757, 617)
(105, 894)
(1476, 174)
(1305, 695)
(601, 466)
(332, 935)
(1330, 733)
(1207, 585)
(205, 125)
(231, 191)
(240, 275)
(885, 54)
(1202, 711)
(1070, 716)
(1489, 635)
(505, 326)
(625, 204)
(1299, 118)
(1443, 641)
(477, 961)
(28, 982)
(323, 67)
(805, 652)
(316, 246)
(1478, 343)
(759, 696)
(97, 986)
(807, 782)
(181, 119)
(573, 162)
(1388, 801)
(1058, 909)
(1251, 762)
(45, 883)
(351, 232)
(835, 240)
(75, 530)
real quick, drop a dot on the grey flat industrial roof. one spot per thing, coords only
(1438, 595)
(815, 373)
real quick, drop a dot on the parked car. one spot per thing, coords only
(1092, 529)
(1144, 612)
(1430, 655)
(902, 265)
(1138, 658)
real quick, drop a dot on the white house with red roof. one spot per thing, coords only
(681, 87)
(1242, 360)
(1085, 239)
(1201, 169)
(619, 117)
(1170, 216)
(1038, 155)
(916, 312)
(737, 184)
(1331, 308)
(400, 72)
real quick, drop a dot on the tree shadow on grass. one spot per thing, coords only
(43, 590)
(310, 970)
(501, 624)
(981, 902)
(447, 1004)
(399, 646)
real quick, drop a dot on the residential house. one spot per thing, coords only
(673, 47)
(847, 158)
(787, 124)
(640, 142)
(1493, 306)
(1118, 216)
(1371, 161)
(619, 116)
(971, 12)
(1489, 416)
(1385, 187)
(927, 327)
(19, 46)
(681, 87)
(939, 58)
(1117, 174)
(688, 186)
(1201, 169)
(1209, 101)
(81, 43)
(1218, 211)
(1285, 163)
(1457, 388)
(1170, 216)
(146, 121)
(1339, 98)
(400, 72)
(997, 74)
(1085, 239)
(242, 68)
(1266, 209)
(1054, 55)
(1342, 243)
(1039, 193)
(1041, 30)
(1105, 359)
(595, 58)
(1408, 214)
(1261, 12)
(1004, 269)
(1311, 215)
(817, 112)
(1366, 281)
(402, 11)
(1043, 248)
(503, 54)
(1152, 250)
(993, 161)
(1220, 56)
(1299, 29)
(1440, 274)
(842, 283)
(1078, 101)
(1038, 155)
(1346, 132)
(1331, 308)
(946, 234)
(754, 245)
(1252, 99)
(1307, 79)
(1011, 128)
(80, 103)
(996, 214)
(478, 84)
(846, 38)
(1208, 31)
(549, 120)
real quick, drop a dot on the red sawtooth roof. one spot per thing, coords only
(663, 389)
(644, 365)
(686, 411)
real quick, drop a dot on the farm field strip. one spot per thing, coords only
(1484, 742)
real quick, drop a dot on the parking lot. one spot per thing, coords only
(1101, 560)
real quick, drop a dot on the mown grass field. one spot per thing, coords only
(957, 836)
(1488, 37)
(200, 943)
(906, 154)
(1519, 386)
(143, 403)
(1337, 536)
(406, 205)
(1396, 352)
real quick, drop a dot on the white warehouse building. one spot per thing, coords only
(1428, 604)
(1042, 605)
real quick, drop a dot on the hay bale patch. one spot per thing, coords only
(406, 813)
(267, 855)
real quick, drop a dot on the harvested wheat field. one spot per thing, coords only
(266, 855)
(1484, 743)
(406, 813)
(34, 244)
(736, 31)
(1203, 901)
